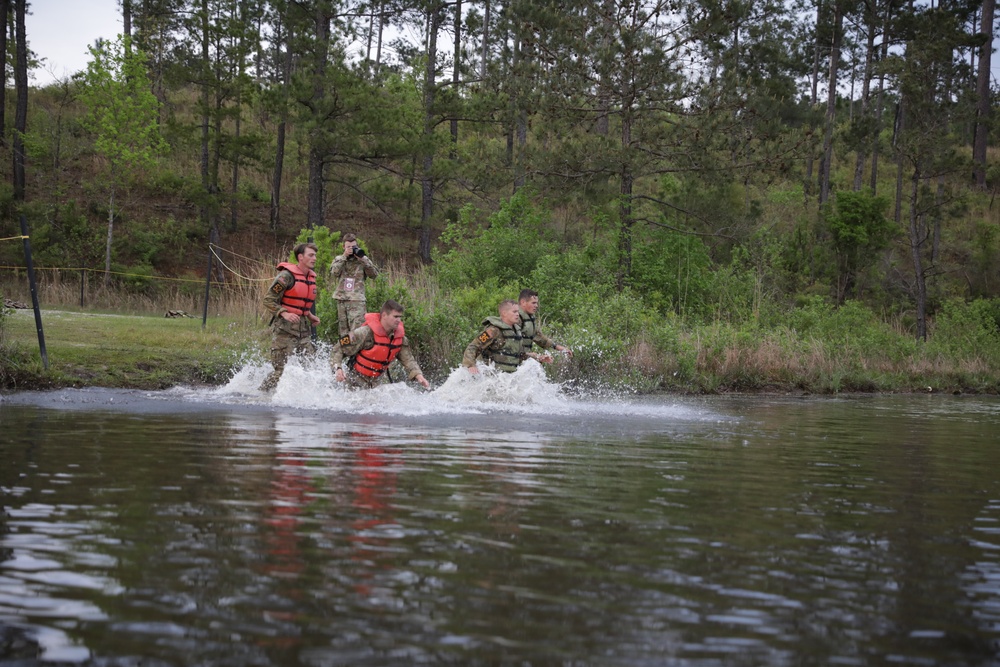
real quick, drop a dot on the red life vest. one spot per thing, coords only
(300, 298)
(373, 362)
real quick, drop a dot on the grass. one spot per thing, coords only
(131, 351)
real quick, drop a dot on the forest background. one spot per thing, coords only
(709, 195)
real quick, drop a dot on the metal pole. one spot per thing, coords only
(208, 285)
(34, 294)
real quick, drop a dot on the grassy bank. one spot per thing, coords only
(107, 350)
(147, 352)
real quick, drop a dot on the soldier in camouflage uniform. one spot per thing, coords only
(527, 302)
(348, 273)
(500, 341)
(289, 300)
(372, 347)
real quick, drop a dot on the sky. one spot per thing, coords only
(61, 30)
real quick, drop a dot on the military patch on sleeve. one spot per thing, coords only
(346, 340)
(484, 337)
(277, 288)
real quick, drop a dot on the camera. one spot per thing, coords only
(358, 251)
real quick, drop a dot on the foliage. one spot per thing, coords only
(122, 113)
(674, 273)
(506, 249)
(968, 331)
(859, 232)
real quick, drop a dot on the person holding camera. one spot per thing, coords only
(348, 272)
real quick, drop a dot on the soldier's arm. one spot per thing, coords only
(408, 360)
(272, 299)
(543, 341)
(350, 345)
(481, 342)
(337, 267)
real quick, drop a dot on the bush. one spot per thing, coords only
(968, 331)
(507, 249)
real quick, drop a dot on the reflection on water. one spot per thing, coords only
(222, 527)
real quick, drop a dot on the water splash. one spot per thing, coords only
(308, 382)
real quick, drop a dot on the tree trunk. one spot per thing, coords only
(21, 88)
(381, 27)
(814, 97)
(317, 152)
(4, 13)
(625, 205)
(916, 241)
(111, 233)
(831, 104)
(127, 24)
(427, 166)
(880, 103)
(279, 153)
(859, 165)
(484, 58)
(456, 75)
(241, 53)
(980, 138)
(205, 105)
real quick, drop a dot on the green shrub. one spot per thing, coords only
(968, 331)
(506, 249)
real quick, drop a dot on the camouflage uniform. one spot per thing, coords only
(287, 337)
(499, 342)
(364, 339)
(530, 333)
(349, 274)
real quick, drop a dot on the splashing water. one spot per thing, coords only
(308, 382)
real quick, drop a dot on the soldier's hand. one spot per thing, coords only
(563, 348)
(544, 358)
(312, 318)
(423, 381)
(473, 369)
(339, 375)
(290, 317)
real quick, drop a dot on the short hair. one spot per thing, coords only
(301, 248)
(391, 306)
(526, 294)
(349, 237)
(506, 304)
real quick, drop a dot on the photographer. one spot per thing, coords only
(348, 272)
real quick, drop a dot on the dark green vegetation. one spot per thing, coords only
(709, 196)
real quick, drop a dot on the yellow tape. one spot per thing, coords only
(15, 238)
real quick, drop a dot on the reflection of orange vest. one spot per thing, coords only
(302, 295)
(373, 362)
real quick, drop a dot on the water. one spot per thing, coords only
(496, 521)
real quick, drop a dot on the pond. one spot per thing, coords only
(496, 521)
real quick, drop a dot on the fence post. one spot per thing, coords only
(34, 294)
(83, 274)
(208, 284)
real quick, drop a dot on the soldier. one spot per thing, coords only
(372, 347)
(500, 342)
(527, 301)
(348, 271)
(290, 300)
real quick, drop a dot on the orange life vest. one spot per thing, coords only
(373, 362)
(300, 298)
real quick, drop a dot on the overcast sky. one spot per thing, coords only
(61, 30)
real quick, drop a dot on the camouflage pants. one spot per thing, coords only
(288, 338)
(350, 316)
